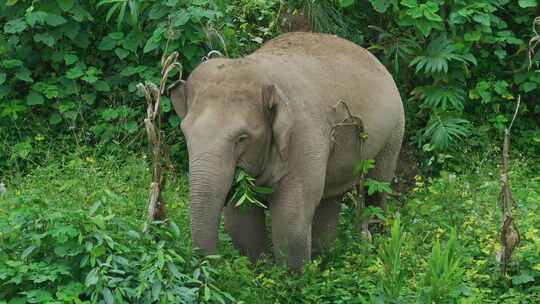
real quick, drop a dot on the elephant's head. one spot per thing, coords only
(231, 117)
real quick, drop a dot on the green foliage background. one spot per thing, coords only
(70, 67)
(71, 232)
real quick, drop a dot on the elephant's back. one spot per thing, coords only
(326, 69)
(326, 48)
(331, 67)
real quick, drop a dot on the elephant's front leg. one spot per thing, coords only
(292, 214)
(247, 230)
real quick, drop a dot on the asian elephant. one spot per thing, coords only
(297, 115)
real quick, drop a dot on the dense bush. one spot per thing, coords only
(72, 232)
(71, 67)
(87, 244)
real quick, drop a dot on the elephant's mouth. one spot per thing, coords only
(248, 168)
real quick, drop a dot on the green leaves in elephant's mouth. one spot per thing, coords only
(244, 193)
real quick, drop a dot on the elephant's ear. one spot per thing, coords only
(177, 93)
(281, 117)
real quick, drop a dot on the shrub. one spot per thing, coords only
(71, 67)
(443, 277)
(392, 280)
(80, 242)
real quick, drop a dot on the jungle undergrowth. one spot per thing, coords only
(351, 272)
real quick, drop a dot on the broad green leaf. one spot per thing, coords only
(527, 3)
(70, 86)
(89, 78)
(75, 72)
(65, 5)
(529, 86)
(55, 118)
(483, 19)
(70, 59)
(156, 290)
(35, 17)
(71, 29)
(409, 3)
(109, 114)
(174, 229)
(522, 279)
(12, 63)
(15, 26)
(180, 18)
(107, 44)
(55, 20)
(500, 53)
(363, 166)
(131, 70)
(158, 12)
(241, 200)
(38, 296)
(121, 53)
(472, 36)
(91, 278)
(152, 44)
(174, 121)
(28, 251)
(2, 77)
(206, 293)
(346, 3)
(70, 292)
(45, 38)
(34, 98)
(432, 16)
(24, 74)
(199, 2)
(263, 190)
(94, 208)
(130, 127)
(381, 5)
(107, 296)
(102, 86)
(166, 105)
(133, 41)
(116, 35)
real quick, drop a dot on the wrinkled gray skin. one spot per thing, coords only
(274, 114)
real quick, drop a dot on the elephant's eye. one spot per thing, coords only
(242, 138)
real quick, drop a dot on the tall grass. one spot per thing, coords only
(442, 280)
(392, 279)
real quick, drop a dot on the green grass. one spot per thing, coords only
(71, 232)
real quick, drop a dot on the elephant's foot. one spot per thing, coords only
(247, 230)
(324, 226)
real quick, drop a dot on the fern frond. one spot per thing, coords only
(444, 130)
(441, 96)
(439, 53)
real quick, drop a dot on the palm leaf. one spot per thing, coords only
(442, 131)
(439, 53)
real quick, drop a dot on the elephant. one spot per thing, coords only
(297, 115)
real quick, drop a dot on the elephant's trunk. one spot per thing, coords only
(211, 176)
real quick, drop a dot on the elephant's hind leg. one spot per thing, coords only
(247, 230)
(325, 223)
(385, 166)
